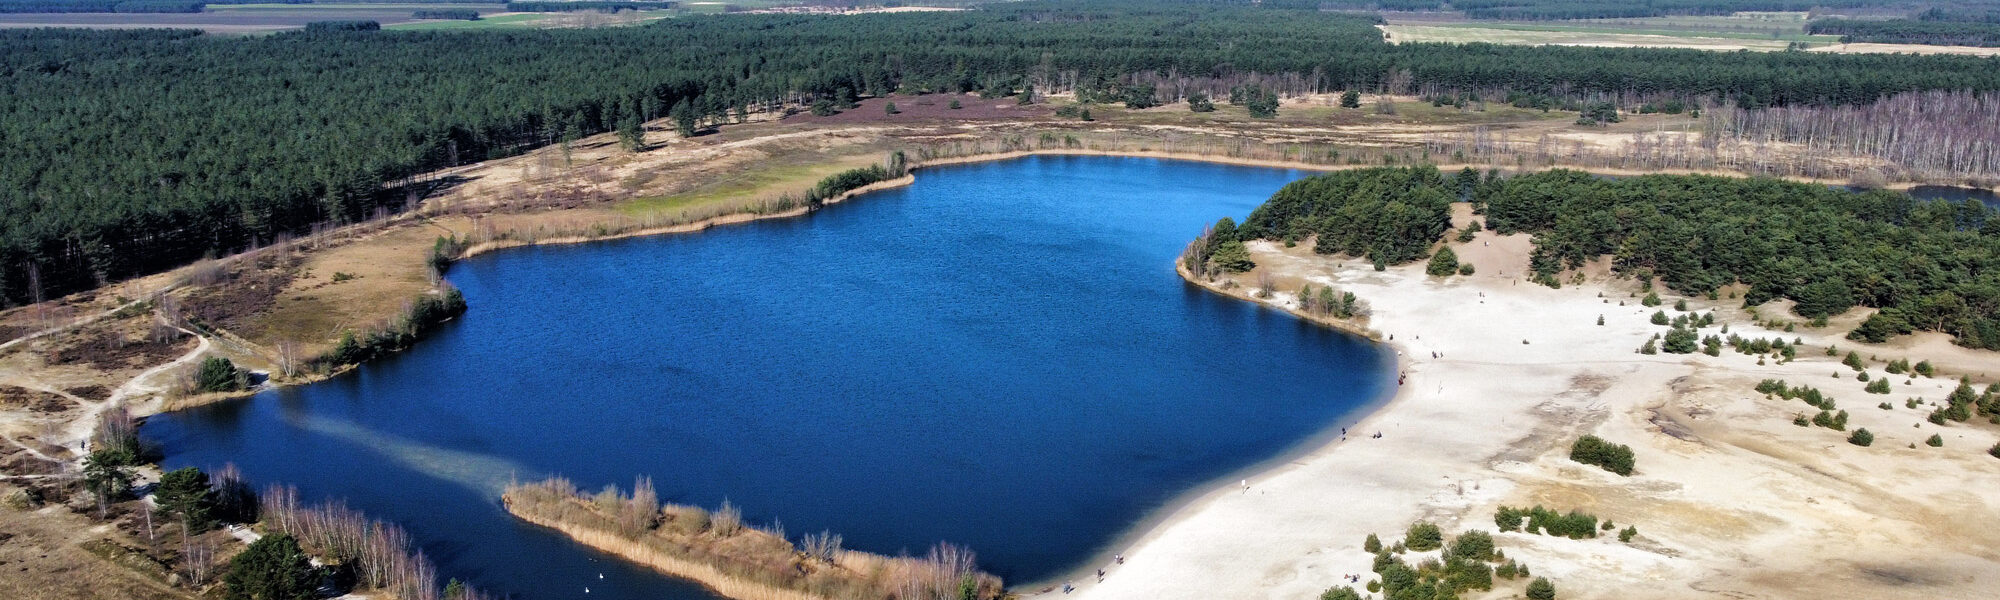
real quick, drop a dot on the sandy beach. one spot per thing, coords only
(1730, 498)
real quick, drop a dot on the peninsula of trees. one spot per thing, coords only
(1927, 265)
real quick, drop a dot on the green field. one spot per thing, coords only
(499, 22)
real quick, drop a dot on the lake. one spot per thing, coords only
(999, 355)
(1956, 194)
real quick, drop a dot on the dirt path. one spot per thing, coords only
(80, 428)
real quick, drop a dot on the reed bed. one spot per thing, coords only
(377, 555)
(747, 563)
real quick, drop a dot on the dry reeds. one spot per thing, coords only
(742, 562)
(378, 554)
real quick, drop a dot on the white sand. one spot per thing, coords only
(1730, 499)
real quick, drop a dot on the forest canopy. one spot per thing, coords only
(1390, 215)
(1928, 265)
(130, 152)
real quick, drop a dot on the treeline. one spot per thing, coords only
(1909, 31)
(587, 6)
(1389, 215)
(1935, 134)
(461, 14)
(100, 6)
(131, 152)
(342, 26)
(1928, 265)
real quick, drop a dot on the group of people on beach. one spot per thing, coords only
(1070, 586)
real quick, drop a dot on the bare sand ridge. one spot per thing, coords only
(1731, 499)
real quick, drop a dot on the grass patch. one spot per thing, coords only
(793, 176)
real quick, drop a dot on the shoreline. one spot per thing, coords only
(1183, 507)
(707, 576)
(1325, 442)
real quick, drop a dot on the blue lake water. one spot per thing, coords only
(999, 355)
(1956, 194)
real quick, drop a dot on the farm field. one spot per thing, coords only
(1557, 35)
(241, 18)
(1763, 31)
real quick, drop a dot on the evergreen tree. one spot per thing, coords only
(217, 374)
(107, 474)
(1372, 545)
(184, 494)
(1541, 589)
(1443, 264)
(1233, 257)
(684, 115)
(272, 568)
(1199, 102)
(1350, 99)
(1340, 593)
(1424, 536)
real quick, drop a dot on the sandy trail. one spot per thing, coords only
(1731, 500)
(141, 385)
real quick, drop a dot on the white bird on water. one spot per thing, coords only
(600, 575)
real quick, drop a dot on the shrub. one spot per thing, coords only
(1508, 518)
(890, 108)
(1995, 451)
(1472, 545)
(1443, 264)
(217, 374)
(1649, 348)
(1660, 317)
(1879, 386)
(273, 568)
(1651, 299)
(1680, 341)
(1465, 268)
(1935, 441)
(1339, 593)
(1853, 361)
(1373, 545)
(1924, 368)
(1424, 536)
(1861, 437)
(1681, 305)
(1592, 450)
(1626, 535)
(1541, 589)
(1350, 99)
